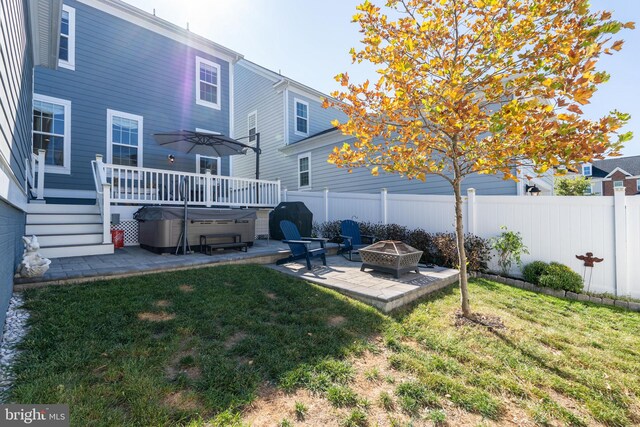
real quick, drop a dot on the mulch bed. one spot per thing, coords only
(478, 319)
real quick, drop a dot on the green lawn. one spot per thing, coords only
(241, 344)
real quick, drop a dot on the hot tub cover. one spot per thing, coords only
(158, 213)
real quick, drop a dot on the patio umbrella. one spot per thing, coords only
(207, 144)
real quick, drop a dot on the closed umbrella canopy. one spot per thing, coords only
(205, 144)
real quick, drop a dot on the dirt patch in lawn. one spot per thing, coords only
(183, 362)
(160, 316)
(478, 319)
(271, 295)
(186, 288)
(234, 339)
(182, 401)
(162, 303)
(336, 320)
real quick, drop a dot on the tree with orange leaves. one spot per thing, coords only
(477, 86)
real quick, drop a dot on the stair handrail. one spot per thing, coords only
(32, 165)
(103, 195)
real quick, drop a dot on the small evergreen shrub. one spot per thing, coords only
(559, 276)
(533, 271)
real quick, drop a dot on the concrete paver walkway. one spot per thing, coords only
(381, 290)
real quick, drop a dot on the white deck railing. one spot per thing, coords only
(162, 187)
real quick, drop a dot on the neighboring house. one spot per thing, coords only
(611, 173)
(296, 138)
(28, 33)
(124, 74)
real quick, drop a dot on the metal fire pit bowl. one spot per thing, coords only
(390, 256)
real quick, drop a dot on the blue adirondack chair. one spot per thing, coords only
(301, 246)
(352, 240)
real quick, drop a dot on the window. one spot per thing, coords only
(207, 83)
(124, 138)
(207, 162)
(67, 48)
(589, 190)
(586, 170)
(52, 132)
(304, 171)
(302, 117)
(638, 185)
(252, 125)
(618, 184)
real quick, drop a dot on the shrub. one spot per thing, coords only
(510, 248)
(533, 271)
(559, 276)
(438, 248)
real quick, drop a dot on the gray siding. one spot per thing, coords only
(16, 70)
(254, 92)
(124, 67)
(319, 118)
(326, 175)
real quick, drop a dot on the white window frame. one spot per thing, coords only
(219, 165)
(297, 101)
(253, 114)
(70, 63)
(65, 169)
(638, 184)
(139, 119)
(587, 169)
(301, 156)
(200, 156)
(615, 184)
(199, 62)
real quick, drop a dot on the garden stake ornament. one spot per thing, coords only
(589, 261)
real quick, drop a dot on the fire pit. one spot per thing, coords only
(390, 256)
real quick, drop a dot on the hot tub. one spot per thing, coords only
(159, 227)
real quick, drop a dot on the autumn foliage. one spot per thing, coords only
(477, 86)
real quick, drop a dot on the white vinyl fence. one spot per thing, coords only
(553, 228)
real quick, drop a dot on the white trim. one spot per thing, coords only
(69, 194)
(618, 186)
(301, 156)
(11, 190)
(69, 64)
(65, 169)
(618, 169)
(266, 73)
(150, 22)
(297, 101)
(217, 159)
(129, 116)
(587, 165)
(254, 113)
(202, 61)
(285, 100)
(232, 106)
(330, 138)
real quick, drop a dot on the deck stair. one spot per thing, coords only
(67, 230)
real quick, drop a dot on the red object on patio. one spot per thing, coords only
(117, 237)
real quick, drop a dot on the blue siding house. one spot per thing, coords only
(27, 41)
(123, 75)
(296, 137)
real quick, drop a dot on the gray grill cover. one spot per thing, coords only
(158, 213)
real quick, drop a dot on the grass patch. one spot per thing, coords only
(196, 347)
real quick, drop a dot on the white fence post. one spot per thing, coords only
(284, 195)
(207, 187)
(620, 232)
(326, 203)
(471, 211)
(383, 205)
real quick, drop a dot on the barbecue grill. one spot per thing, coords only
(390, 256)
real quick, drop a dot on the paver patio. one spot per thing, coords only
(381, 290)
(378, 289)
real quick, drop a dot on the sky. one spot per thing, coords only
(309, 41)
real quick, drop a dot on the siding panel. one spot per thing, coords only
(124, 67)
(16, 71)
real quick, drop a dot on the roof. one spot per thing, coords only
(332, 129)
(602, 168)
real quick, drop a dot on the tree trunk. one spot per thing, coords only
(462, 256)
